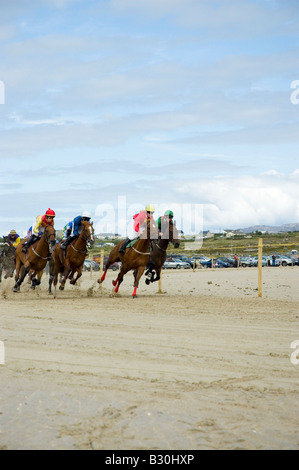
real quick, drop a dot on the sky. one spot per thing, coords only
(110, 105)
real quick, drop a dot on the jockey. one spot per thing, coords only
(38, 228)
(139, 225)
(14, 238)
(73, 229)
(167, 218)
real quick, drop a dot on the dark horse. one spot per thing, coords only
(134, 258)
(169, 233)
(7, 259)
(35, 260)
(71, 261)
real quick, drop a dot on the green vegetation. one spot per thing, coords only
(242, 245)
(246, 245)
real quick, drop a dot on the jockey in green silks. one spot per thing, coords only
(167, 217)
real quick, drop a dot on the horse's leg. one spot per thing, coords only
(67, 270)
(17, 275)
(119, 279)
(31, 279)
(103, 277)
(37, 281)
(113, 257)
(140, 271)
(51, 274)
(158, 275)
(51, 278)
(21, 279)
(79, 274)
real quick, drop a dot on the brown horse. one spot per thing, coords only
(71, 261)
(35, 260)
(169, 233)
(134, 258)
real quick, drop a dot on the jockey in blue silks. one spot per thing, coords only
(73, 229)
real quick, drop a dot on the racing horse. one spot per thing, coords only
(7, 259)
(135, 257)
(169, 233)
(35, 260)
(70, 262)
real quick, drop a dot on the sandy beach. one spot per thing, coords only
(204, 365)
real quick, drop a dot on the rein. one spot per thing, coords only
(37, 253)
(139, 252)
(78, 251)
(158, 246)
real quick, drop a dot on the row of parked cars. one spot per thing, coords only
(183, 262)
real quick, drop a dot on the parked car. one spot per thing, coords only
(87, 265)
(115, 266)
(245, 261)
(226, 259)
(199, 258)
(205, 263)
(182, 258)
(284, 260)
(220, 263)
(264, 260)
(217, 263)
(176, 264)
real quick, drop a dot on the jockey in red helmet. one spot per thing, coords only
(38, 228)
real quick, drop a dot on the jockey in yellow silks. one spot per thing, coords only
(14, 238)
(139, 225)
(38, 228)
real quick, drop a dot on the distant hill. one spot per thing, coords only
(272, 229)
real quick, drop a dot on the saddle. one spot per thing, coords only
(132, 243)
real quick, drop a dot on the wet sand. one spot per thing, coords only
(204, 365)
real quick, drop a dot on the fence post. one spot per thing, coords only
(160, 284)
(260, 265)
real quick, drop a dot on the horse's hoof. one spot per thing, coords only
(99, 281)
(147, 281)
(61, 287)
(134, 296)
(15, 289)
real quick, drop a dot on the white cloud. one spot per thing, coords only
(239, 202)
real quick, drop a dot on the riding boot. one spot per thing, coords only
(124, 245)
(30, 242)
(67, 241)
